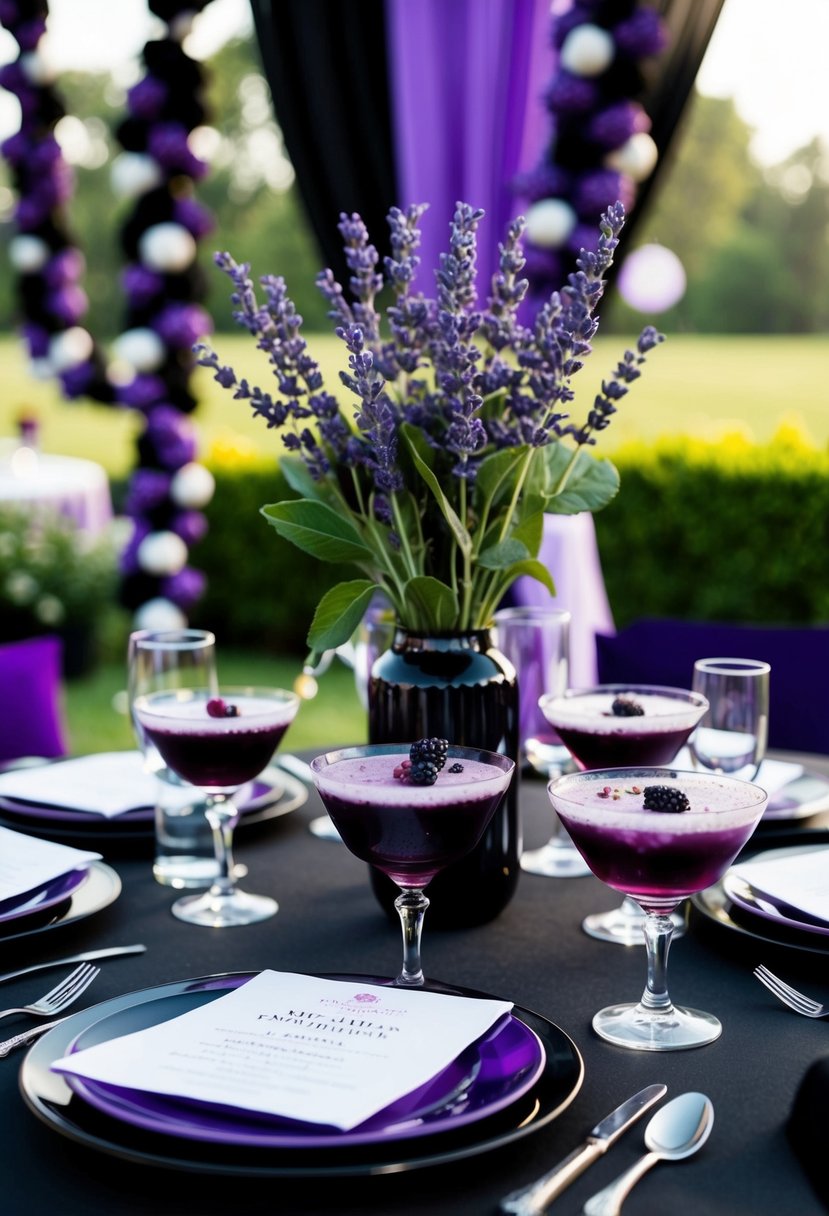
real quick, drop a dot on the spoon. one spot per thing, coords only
(676, 1131)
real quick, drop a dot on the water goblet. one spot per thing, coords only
(410, 832)
(731, 737)
(617, 725)
(219, 743)
(658, 836)
(536, 640)
(160, 659)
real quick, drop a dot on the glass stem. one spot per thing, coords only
(659, 930)
(411, 906)
(221, 814)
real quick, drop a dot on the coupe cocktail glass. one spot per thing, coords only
(599, 738)
(658, 857)
(410, 832)
(218, 742)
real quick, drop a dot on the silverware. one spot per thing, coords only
(676, 1131)
(798, 1001)
(61, 996)
(110, 952)
(28, 1036)
(532, 1200)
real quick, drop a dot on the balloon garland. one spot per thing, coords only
(600, 148)
(162, 284)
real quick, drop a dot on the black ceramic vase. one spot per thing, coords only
(459, 687)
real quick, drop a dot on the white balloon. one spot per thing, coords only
(41, 369)
(39, 65)
(161, 554)
(28, 253)
(70, 348)
(167, 247)
(159, 613)
(550, 222)
(636, 157)
(142, 348)
(587, 50)
(651, 279)
(134, 173)
(192, 486)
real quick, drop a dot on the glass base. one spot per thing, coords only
(624, 926)
(217, 911)
(556, 859)
(323, 828)
(642, 1029)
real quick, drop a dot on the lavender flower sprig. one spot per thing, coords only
(433, 477)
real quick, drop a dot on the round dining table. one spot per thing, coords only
(68, 485)
(534, 954)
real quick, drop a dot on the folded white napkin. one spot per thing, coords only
(27, 863)
(107, 783)
(773, 775)
(284, 1044)
(800, 880)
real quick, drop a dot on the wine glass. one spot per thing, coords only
(658, 836)
(158, 660)
(616, 725)
(218, 743)
(732, 735)
(536, 640)
(410, 832)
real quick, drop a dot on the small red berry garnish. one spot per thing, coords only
(401, 770)
(219, 708)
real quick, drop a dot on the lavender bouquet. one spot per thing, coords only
(435, 479)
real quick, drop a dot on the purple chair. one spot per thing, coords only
(31, 711)
(663, 651)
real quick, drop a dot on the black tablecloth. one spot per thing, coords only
(535, 954)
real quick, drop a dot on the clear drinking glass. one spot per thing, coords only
(218, 743)
(536, 641)
(658, 854)
(732, 736)
(159, 660)
(410, 832)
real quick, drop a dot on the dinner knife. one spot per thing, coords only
(110, 952)
(533, 1200)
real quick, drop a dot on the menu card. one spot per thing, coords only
(107, 783)
(772, 775)
(27, 863)
(799, 879)
(315, 1050)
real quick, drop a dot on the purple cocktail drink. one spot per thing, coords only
(617, 725)
(218, 743)
(657, 835)
(410, 831)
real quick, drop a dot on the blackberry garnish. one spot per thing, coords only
(456, 768)
(423, 772)
(218, 708)
(626, 707)
(665, 798)
(433, 750)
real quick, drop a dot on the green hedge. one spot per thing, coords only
(728, 531)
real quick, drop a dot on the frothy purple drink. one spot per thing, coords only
(409, 831)
(658, 857)
(653, 725)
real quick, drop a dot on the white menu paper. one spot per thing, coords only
(320, 1051)
(800, 880)
(27, 863)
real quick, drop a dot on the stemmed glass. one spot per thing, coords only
(618, 725)
(732, 735)
(658, 836)
(159, 660)
(410, 832)
(536, 641)
(218, 743)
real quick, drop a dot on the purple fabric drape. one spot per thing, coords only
(466, 81)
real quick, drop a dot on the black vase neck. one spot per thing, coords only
(479, 640)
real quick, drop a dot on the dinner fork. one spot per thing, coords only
(795, 1000)
(61, 996)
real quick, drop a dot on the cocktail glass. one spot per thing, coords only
(657, 857)
(410, 832)
(218, 742)
(599, 738)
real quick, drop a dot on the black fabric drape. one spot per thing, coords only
(325, 63)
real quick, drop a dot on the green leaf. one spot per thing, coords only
(339, 612)
(462, 537)
(591, 484)
(505, 553)
(317, 529)
(534, 569)
(530, 531)
(497, 474)
(295, 471)
(430, 604)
